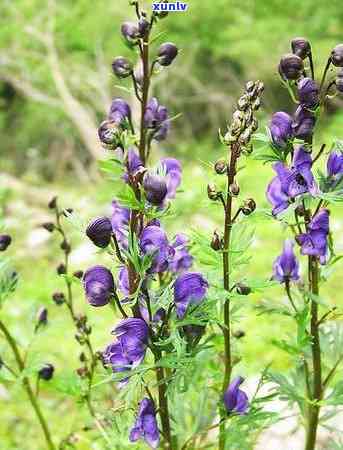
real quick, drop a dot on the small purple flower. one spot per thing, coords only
(281, 128)
(99, 285)
(133, 164)
(99, 231)
(120, 223)
(156, 118)
(153, 241)
(335, 164)
(155, 188)
(304, 122)
(123, 280)
(308, 92)
(145, 426)
(167, 53)
(189, 288)
(173, 172)
(286, 266)
(132, 334)
(315, 241)
(119, 111)
(182, 260)
(235, 400)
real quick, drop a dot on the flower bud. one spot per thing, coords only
(1, 363)
(58, 298)
(212, 192)
(243, 103)
(167, 53)
(337, 56)
(291, 66)
(53, 203)
(61, 269)
(130, 32)
(216, 243)
(42, 318)
(5, 241)
(109, 133)
(248, 207)
(78, 274)
(65, 246)
(143, 26)
(339, 81)
(308, 92)
(48, 226)
(234, 189)
(83, 357)
(162, 13)
(155, 188)
(301, 47)
(122, 67)
(239, 334)
(46, 372)
(242, 289)
(99, 231)
(82, 372)
(220, 166)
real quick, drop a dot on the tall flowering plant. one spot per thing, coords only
(302, 199)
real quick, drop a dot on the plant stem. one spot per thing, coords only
(226, 278)
(145, 95)
(316, 358)
(27, 386)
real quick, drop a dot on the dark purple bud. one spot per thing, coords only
(130, 32)
(122, 67)
(243, 289)
(308, 92)
(216, 243)
(46, 372)
(143, 26)
(339, 81)
(291, 66)
(167, 53)
(335, 164)
(78, 274)
(109, 133)
(189, 288)
(239, 334)
(5, 241)
(58, 298)
(281, 128)
(301, 47)
(146, 426)
(119, 111)
(65, 246)
(49, 226)
(155, 188)
(234, 189)
(220, 166)
(99, 285)
(286, 266)
(42, 318)
(235, 400)
(248, 207)
(212, 192)
(53, 203)
(337, 56)
(193, 333)
(99, 231)
(304, 123)
(82, 372)
(61, 269)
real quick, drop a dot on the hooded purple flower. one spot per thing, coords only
(114, 357)
(290, 183)
(154, 241)
(119, 111)
(308, 92)
(281, 128)
(286, 266)
(315, 241)
(99, 285)
(189, 288)
(335, 164)
(181, 260)
(156, 118)
(120, 222)
(155, 188)
(146, 426)
(235, 400)
(133, 164)
(173, 174)
(304, 122)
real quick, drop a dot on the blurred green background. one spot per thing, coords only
(56, 86)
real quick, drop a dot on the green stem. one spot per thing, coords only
(27, 386)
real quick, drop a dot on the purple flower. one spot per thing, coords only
(155, 188)
(119, 111)
(133, 164)
(235, 400)
(156, 118)
(173, 172)
(281, 128)
(122, 67)
(304, 122)
(120, 223)
(145, 426)
(132, 334)
(308, 92)
(153, 241)
(315, 241)
(109, 133)
(5, 241)
(189, 288)
(130, 32)
(99, 285)
(182, 260)
(167, 53)
(335, 164)
(99, 231)
(114, 357)
(286, 266)
(123, 280)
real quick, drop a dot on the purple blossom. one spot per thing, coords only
(123, 280)
(335, 164)
(157, 317)
(156, 118)
(235, 400)
(153, 241)
(315, 241)
(120, 223)
(173, 172)
(155, 188)
(281, 128)
(132, 334)
(286, 266)
(182, 260)
(308, 92)
(119, 111)
(145, 426)
(133, 164)
(99, 285)
(189, 288)
(304, 122)
(114, 357)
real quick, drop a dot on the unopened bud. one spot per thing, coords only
(61, 269)
(291, 66)
(78, 274)
(49, 226)
(5, 242)
(339, 81)
(46, 372)
(301, 47)
(248, 207)
(53, 203)
(42, 318)
(234, 189)
(242, 289)
(212, 192)
(65, 246)
(216, 243)
(337, 56)
(239, 334)
(122, 67)
(220, 166)
(58, 298)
